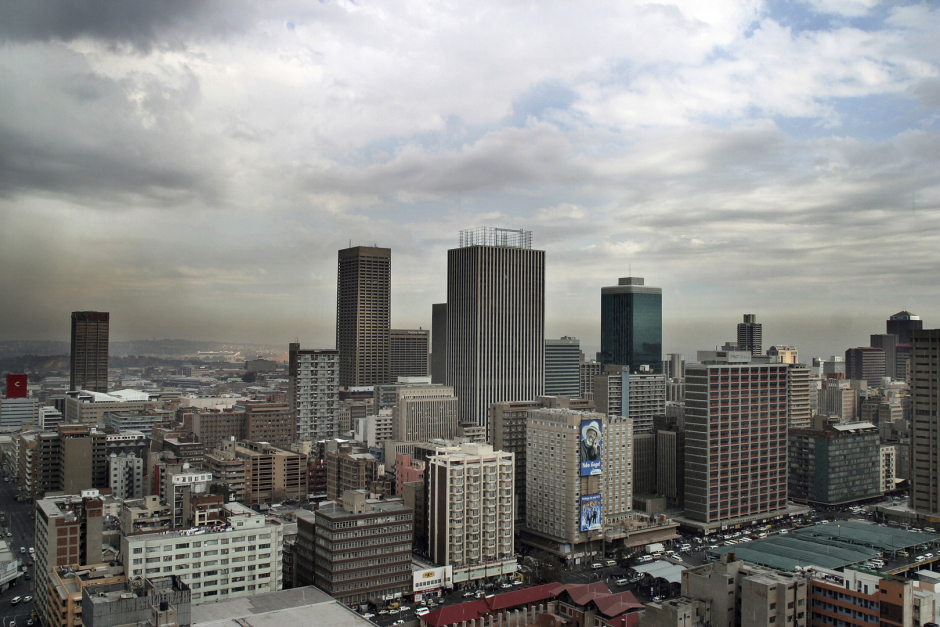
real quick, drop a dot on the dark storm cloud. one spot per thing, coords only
(138, 23)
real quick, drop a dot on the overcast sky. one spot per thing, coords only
(193, 167)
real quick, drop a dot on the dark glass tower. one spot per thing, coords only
(363, 315)
(900, 323)
(632, 325)
(88, 361)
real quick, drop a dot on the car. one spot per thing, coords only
(903, 554)
(367, 615)
(657, 599)
(383, 611)
(928, 555)
(597, 565)
(467, 595)
(403, 608)
(400, 621)
(32, 551)
(920, 558)
(9, 535)
(29, 622)
(394, 611)
(22, 549)
(29, 562)
(622, 582)
(27, 577)
(505, 585)
(421, 611)
(610, 562)
(15, 600)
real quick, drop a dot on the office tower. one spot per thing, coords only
(888, 342)
(249, 559)
(834, 464)
(865, 364)
(14, 412)
(314, 391)
(644, 463)
(749, 335)
(439, 343)
(799, 395)
(632, 325)
(588, 370)
(470, 519)
(901, 324)
(902, 367)
(670, 461)
(424, 413)
(636, 395)
(925, 418)
(582, 486)
(495, 320)
(69, 532)
(357, 551)
(273, 423)
(88, 361)
(563, 367)
(784, 354)
(409, 353)
(824, 367)
(736, 440)
(363, 314)
(839, 397)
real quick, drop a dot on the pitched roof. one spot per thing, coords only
(450, 614)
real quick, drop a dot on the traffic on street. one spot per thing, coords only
(17, 528)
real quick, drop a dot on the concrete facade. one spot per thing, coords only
(925, 419)
(313, 395)
(363, 314)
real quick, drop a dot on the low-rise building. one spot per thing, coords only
(157, 602)
(834, 463)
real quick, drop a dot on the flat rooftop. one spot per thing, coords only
(297, 607)
(833, 546)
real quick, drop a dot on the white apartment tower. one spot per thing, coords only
(314, 392)
(495, 321)
(470, 511)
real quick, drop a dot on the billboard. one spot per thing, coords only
(591, 515)
(591, 432)
(16, 386)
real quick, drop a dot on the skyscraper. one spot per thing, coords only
(409, 351)
(925, 416)
(749, 335)
(736, 440)
(902, 323)
(563, 367)
(865, 364)
(632, 325)
(438, 343)
(495, 320)
(888, 342)
(363, 315)
(89, 359)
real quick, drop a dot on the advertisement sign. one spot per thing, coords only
(16, 386)
(590, 447)
(591, 515)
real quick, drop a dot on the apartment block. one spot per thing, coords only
(214, 425)
(639, 395)
(268, 474)
(563, 367)
(273, 423)
(347, 471)
(587, 371)
(888, 466)
(126, 476)
(313, 396)
(799, 405)
(238, 558)
(470, 511)
(865, 598)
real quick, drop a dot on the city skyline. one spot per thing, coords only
(193, 170)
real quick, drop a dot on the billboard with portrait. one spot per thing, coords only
(591, 432)
(591, 515)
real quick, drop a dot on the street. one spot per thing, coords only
(21, 525)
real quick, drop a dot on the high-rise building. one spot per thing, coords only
(639, 396)
(799, 397)
(901, 324)
(925, 418)
(356, 551)
(588, 370)
(363, 315)
(88, 361)
(832, 464)
(632, 325)
(495, 320)
(470, 520)
(888, 342)
(126, 476)
(736, 440)
(580, 478)
(314, 391)
(424, 413)
(749, 335)
(562, 367)
(438, 343)
(409, 353)
(865, 364)
(674, 366)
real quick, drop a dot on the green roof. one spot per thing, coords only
(832, 546)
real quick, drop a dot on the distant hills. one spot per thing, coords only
(178, 349)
